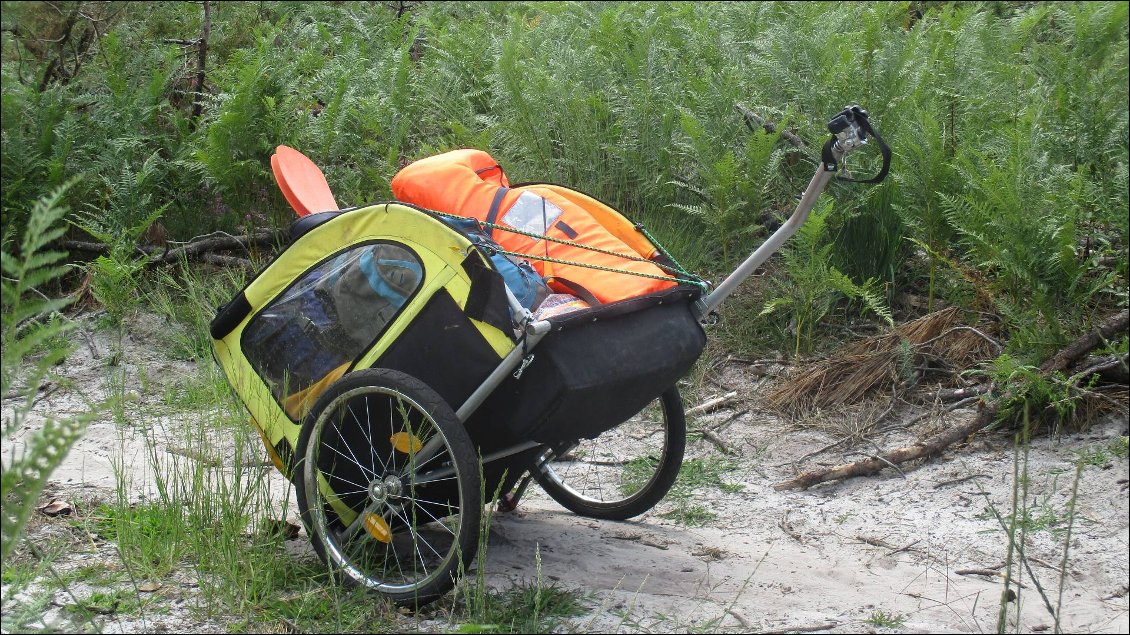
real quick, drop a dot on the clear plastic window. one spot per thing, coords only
(309, 336)
(532, 213)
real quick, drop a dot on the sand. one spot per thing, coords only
(915, 551)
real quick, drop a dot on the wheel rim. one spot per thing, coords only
(385, 490)
(617, 467)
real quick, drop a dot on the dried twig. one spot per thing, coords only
(717, 441)
(803, 629)
(712, 404)
(741, 620)
(959, 480)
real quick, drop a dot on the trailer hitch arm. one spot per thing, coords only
(850, 129)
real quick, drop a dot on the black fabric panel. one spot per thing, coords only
(308, 222)
(229, 316)
(569, 232)
(681, 294)
(592, 377)
(486, 301)
(286, 455)
(442, 349)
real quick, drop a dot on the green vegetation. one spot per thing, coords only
(694, 476)
(885, 620)
(1008, 122)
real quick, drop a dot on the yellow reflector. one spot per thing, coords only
(406, 442)
(377, 527)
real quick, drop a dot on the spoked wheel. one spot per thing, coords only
(623, 472)
(389, 486)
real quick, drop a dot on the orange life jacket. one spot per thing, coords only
(470, 183)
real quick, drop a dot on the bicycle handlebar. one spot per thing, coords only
(850, 130)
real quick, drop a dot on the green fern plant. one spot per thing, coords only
(727, 186)
(115, 277)
(814, 286)
(25, 329)
(1019, 221)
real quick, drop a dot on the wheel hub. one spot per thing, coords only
(386, 490)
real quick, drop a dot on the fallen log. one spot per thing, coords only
(1085, 344)
(202, 248)
(932, 446)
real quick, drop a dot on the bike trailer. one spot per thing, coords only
(399, 361)
(396, 287)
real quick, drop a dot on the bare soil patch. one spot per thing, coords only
(916, 551)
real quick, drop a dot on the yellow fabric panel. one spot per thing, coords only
(272, 421)
(441, 251)
(386, 221)
(274, 456)
(610, 219)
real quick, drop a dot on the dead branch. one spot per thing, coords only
(754, 121)
(203, 248)
(712, 404)
(1111, 368)
(214, 242)
(935, 444)
(1080, 347)
(225, 261)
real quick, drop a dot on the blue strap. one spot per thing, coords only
(492, 215)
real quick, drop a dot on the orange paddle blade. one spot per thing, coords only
(301, 182)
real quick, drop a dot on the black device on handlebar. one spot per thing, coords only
(850, 129)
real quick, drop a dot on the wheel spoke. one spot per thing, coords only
(369, 439)
(351, 456)
(416, 540)
(624, 471)
(437, 521)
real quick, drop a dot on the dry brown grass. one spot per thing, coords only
(882, 362)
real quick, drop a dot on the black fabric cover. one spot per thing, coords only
(442, 349)
(595, 370)
(308, 222)
(486, 301)
(229, 316)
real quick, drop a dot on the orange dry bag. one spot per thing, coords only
(470, 183)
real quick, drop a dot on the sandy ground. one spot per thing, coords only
(917, 548)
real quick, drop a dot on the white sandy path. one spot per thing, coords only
(837, 554)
